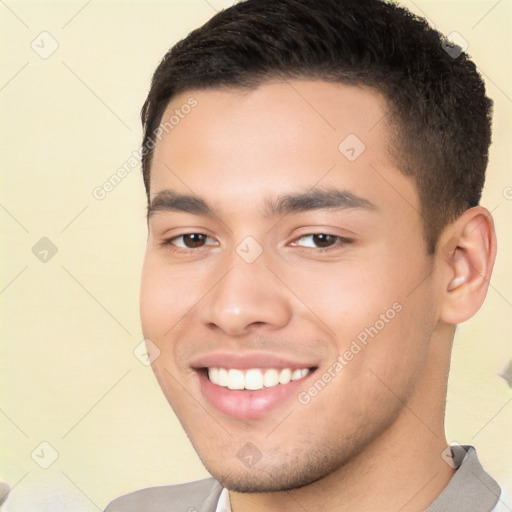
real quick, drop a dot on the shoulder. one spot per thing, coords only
(197, 496)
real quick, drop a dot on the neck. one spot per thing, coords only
(401, 470)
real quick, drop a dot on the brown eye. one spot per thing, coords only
(194, 240)
(321, 241)
(189, 241)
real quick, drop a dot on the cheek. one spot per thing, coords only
(346, 298)
(162, 299)
(371, 304)
(169, 296)
(153, 302)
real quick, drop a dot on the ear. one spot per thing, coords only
(466, 251)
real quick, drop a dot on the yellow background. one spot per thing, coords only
(68, 374)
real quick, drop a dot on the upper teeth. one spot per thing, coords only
(255, 378)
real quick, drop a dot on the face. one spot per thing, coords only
(285, 288)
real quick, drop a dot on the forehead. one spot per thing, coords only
(276, 137)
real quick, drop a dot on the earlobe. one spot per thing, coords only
(467, 261)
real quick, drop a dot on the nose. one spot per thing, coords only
(247, 297)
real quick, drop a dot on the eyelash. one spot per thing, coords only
(341, 241)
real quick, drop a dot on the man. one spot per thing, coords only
(313, 172)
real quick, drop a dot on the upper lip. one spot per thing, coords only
(248, 360)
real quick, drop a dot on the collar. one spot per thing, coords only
(223, 505)
(470, 488)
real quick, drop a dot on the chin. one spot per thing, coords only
(276, 475)
(246, 482)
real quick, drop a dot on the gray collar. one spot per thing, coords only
(470, 488)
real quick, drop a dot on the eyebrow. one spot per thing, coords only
(317, 199)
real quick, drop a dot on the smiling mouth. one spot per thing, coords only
(254, 379)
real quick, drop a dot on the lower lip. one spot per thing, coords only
(245, 404)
